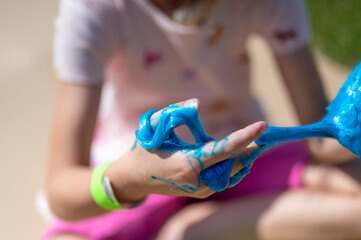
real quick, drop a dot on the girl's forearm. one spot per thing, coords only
(69, 194)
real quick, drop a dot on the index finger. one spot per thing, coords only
(217, 151)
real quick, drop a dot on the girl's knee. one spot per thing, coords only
(305, 214)
(178, 225)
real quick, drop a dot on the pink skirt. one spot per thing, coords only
(277, 169)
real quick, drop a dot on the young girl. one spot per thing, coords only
(116, 59)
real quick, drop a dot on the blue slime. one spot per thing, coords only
(342, 121)
(216, 177)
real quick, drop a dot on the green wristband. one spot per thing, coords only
(98, 192)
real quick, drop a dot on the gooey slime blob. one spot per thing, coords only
(342, 121)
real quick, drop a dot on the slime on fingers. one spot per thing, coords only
(162, 136)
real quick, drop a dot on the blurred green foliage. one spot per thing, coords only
(336, 29)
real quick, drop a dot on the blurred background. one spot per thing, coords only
(27, 92)
(337, 29)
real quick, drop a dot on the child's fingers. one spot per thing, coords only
(193, 102)
(215, 152)
(237, 166)
(250, 148)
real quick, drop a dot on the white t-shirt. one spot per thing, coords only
(145, 60)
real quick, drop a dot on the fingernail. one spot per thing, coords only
(191, 103)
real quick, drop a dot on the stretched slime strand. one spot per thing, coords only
(162, 136)
(342, 121)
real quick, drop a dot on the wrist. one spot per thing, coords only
(127, 189)
(101, 190)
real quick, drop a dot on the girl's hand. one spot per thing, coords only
(329, 150)
(141, 172)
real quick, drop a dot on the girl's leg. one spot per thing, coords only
(217, 220)
(308, 214)
(327, 207)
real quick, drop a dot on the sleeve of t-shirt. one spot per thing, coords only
(283, 23)
(86, 37)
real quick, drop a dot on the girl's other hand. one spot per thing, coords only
(329, 150)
